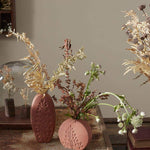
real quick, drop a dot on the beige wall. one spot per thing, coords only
(94, 24)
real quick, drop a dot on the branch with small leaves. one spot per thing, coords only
(80, 99)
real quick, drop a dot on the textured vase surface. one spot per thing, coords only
(75, 134)
(43, 117)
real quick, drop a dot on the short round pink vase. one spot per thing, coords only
(43, 117)
(75, 134)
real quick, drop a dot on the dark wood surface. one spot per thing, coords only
(119, 142)
(15, 135)
(16, 122)
(5, 11)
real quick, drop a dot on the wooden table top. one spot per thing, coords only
(16, 133)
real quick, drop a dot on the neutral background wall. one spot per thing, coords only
(93, 24)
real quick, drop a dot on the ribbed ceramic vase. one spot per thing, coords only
(43, 117)
(75, 134)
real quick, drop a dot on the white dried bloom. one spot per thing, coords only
(98, 66)
(97, 118)
(118, 119)
(1, 78)
(134, 131)
(120, 132)
(86, 73)
(142, 114)
(124, 131)
(136, 121)
(124, 116)
(120, 125)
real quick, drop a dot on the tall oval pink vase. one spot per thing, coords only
(43, 117)
(75, 134)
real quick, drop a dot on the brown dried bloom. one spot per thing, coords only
(36, 77)
(77, 95)
(142, 7)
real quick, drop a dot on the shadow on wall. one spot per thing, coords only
(24, 16)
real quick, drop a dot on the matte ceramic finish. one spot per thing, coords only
(43, 118)
(75, 134)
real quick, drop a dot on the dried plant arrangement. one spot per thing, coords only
(80, 99)
(139, 39)
(36, 77)
(7, 80)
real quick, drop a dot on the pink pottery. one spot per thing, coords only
(43, 117)
(75, 134)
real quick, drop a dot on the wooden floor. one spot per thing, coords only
(119, 142)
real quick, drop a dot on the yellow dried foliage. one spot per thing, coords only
(36, 77)
(137, 66)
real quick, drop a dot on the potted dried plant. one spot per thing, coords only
(9, 86)
(37, 78)
(139, 39)
(75, 133)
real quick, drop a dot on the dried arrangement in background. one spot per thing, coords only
(7, 80)
(9, 86)
(139, 39)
